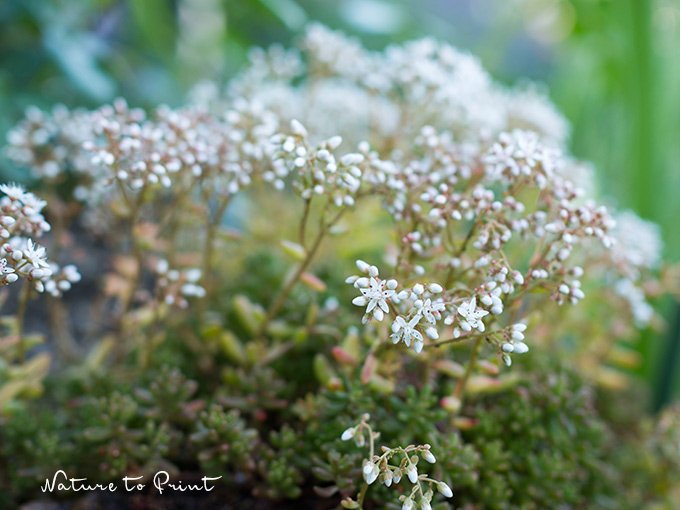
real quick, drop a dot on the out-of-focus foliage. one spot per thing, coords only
(611, 66)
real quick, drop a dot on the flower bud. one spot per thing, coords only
(427, 455)
(348, 434)
(412, 473)
(444, 489)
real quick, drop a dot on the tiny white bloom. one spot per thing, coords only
(35, 254)
(13, 191)
(402, 330)
(471, 315)
(375, 297)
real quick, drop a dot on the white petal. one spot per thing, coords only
(360, 301)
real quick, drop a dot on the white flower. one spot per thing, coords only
(375, 297)
(429, 310)
(13, 191)
(406, 331)
(33, 203)
(470, 315)
(408, 504)
(35, 254)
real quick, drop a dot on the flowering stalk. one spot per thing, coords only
(212, 225)
(309, 256)
(378, 467)
(24, 295)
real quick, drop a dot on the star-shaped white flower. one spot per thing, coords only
(13, 191)
(406, 331)
(471, 315)
(35, 254)
(375, 297)
(431, 311)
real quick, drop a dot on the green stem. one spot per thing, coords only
(211, 229)
(371, 452)
(460, 339)
(303, 223)
(281, 299)
(462, 382)
(21, 314)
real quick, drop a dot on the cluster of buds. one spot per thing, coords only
(317, 170)
(49, 142)
(383, 468)
(21, 220)
(174, 286)
(21, 213)
(61, 279)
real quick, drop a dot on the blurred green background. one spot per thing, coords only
(612, 67)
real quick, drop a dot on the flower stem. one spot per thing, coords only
(462, 382)
(311, 252)
(21, 314)
(371, 452)
(211, 229)
(460, 339)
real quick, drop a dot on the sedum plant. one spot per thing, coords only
(477, 241)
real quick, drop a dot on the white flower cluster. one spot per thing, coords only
(318, 171)
(636, 250)
(49, 142)
(174, 286)
(473, 174)
(423, 309)
(378, 467)
(354, 93)
(20, 221)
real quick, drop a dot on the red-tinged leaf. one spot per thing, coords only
(367, 371)
(448, 367)
(451, 404)
(326, 492)
(344, 357)
(488, 367)
(313, 282)
(465, 423)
